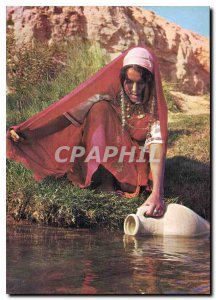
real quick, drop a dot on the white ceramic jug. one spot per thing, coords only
(178, 220)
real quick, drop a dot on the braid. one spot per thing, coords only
(122, 96)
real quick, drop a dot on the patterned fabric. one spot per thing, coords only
(154, 136)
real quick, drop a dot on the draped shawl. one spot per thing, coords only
(38, 155)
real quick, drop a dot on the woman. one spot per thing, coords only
(111, 134)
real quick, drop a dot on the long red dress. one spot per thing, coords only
(96, 123)
(102, 127)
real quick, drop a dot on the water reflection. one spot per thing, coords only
(46, 260)
(169, 265)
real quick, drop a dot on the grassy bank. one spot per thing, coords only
(188, 162)
(58, 202)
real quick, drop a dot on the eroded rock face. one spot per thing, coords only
(183, 55)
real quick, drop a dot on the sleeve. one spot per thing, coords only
(154, 135)
(72, 118)
(78, 114)
(50, 128)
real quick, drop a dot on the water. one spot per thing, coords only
(47, 260)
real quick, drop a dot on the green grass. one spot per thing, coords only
(49, 77)
(56, 201)
(59, 203)
(188, 162)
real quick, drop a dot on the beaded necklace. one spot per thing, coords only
(129, 109)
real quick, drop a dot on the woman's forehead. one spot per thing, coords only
(133, 74)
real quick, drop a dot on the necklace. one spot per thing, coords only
(129, 109)
(134, 109)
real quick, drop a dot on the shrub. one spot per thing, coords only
(172, 102)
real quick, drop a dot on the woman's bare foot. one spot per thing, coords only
(125, 187)
(106, 188)
(107, 183)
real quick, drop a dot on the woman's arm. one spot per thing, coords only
(58, 124)
(74, 116)
(157, 165)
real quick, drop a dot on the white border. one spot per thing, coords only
(3, 5)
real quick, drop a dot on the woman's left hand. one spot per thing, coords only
(155, 205)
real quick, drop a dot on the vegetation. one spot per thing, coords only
(172, 102)
(40, 76)
(188, 162)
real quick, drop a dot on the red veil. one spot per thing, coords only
(38, 155)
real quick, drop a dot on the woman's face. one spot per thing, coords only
(134, 85)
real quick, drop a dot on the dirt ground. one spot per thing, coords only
(192, 105)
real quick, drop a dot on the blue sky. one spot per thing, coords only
(195, 18)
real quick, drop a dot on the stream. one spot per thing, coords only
(49, 260)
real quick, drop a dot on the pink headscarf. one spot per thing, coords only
(38, 156)
(139, 56)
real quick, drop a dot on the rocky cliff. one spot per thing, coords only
(183, 55)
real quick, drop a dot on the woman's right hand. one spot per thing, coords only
(14, 136)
